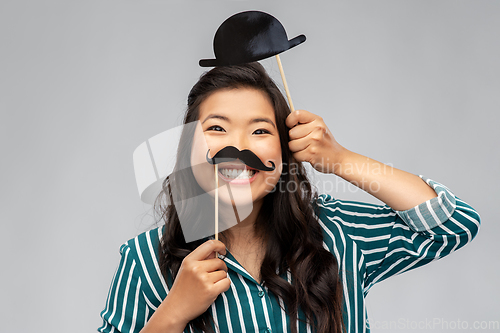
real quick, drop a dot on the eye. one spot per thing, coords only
(261, 131)
(216, 128)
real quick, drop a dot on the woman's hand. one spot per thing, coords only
(311, 141)
(201, 278)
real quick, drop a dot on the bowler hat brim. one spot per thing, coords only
(217, 62)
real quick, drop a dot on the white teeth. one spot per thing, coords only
(237, 173)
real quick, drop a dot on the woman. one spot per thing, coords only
(298, 262)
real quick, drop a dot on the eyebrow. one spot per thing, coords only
(216, 116)
(265, 120)
(252, 121)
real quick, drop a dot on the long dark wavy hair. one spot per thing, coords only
(294, 238)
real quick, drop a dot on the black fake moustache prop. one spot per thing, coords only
(231, 153)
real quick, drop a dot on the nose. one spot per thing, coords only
(239, 140)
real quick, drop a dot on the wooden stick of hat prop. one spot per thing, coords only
(282, 72)
(247, 37)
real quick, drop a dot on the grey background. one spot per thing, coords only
(411, 83)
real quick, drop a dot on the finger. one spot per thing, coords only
(212, 265)
(302, 156)
(217, 276)
(222, 285)
(299, 144)
(300, 131)
(299, 117)
(213, 255)
(315, 130)
(207, 248)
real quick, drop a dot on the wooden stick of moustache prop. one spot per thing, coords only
(216, 205)
(216, 171)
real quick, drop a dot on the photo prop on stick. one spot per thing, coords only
(247, 37)
(251, 36)
(235, 174)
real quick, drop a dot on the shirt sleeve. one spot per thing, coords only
(392, 242)
(126, 309)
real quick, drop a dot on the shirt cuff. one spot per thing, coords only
(433, 212)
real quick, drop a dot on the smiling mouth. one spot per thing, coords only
(232, 172)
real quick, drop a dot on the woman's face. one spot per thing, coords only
(243, 118)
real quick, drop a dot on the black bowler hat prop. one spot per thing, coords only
(247, 37)
(251, 36)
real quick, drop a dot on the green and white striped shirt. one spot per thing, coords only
(370, 242)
